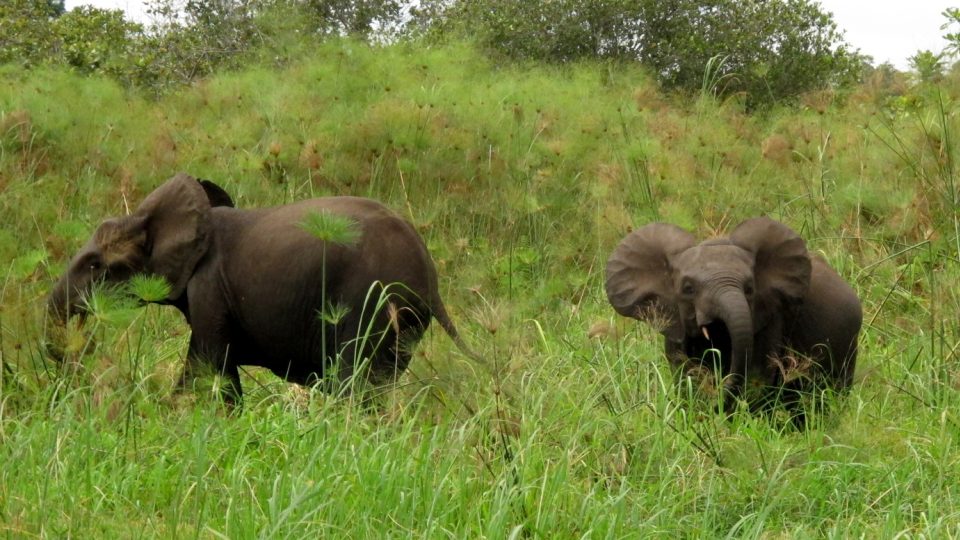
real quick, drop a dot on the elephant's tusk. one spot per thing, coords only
(705, 333)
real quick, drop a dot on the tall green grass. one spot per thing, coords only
(522, 180)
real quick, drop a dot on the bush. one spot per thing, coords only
(764, 50)
(26, 35)
(93, 39)
(190, 39)
(767, 51)
(558, 31)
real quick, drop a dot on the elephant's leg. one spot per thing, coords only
(230, 392)
(813, 396)
(349, 376)
(375, 351)
(816, 398)
(349, 361)
(390, 362)
(396, 352)
(793, 402)
(733, 385)
(766, 402)
(770, 394)
(365, 343)
(192, 366)
(212, 351)
(367, 362)
(212, 356)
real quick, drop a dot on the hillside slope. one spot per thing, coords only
(522, 180)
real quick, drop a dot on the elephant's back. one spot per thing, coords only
(832, 293)
(278, 250)
(368, 217)
(384, 238)
(280, 275)
(360, 208)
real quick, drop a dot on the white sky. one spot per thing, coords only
(887, 30)
(892, 30)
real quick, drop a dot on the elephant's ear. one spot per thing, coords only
(640, 276)
(781, 263)
(215, 194)
(178, 230)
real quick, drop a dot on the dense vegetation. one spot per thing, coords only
(763, 51)
(766, 51)
(521, 179)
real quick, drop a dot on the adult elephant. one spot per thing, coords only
(259, 289)
(755, 305)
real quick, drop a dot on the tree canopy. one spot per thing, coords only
(764, 50)
(767, 50)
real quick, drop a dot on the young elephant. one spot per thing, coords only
(757, 299)
(258, 289)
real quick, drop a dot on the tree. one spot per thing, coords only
(774, 50)
(351, 17)
(190, 39)
(771, 49)
(557, 31)
(927, 65)
(26, 33)
(197, 37)
(953, 18)
(92, 39)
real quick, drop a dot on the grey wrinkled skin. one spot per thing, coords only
(757, 306)
(252, 284)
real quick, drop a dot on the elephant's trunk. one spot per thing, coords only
(62, 303)
(58, 310)
(734, 311)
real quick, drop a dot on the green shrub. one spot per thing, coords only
(768, 50)
(26, 34)
(93, 39)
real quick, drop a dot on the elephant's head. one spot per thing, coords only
(166, 236)
(724, 294)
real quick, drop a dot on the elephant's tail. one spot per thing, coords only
(440, 313)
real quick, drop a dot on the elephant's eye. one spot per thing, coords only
(687, 288)
(748, 288)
